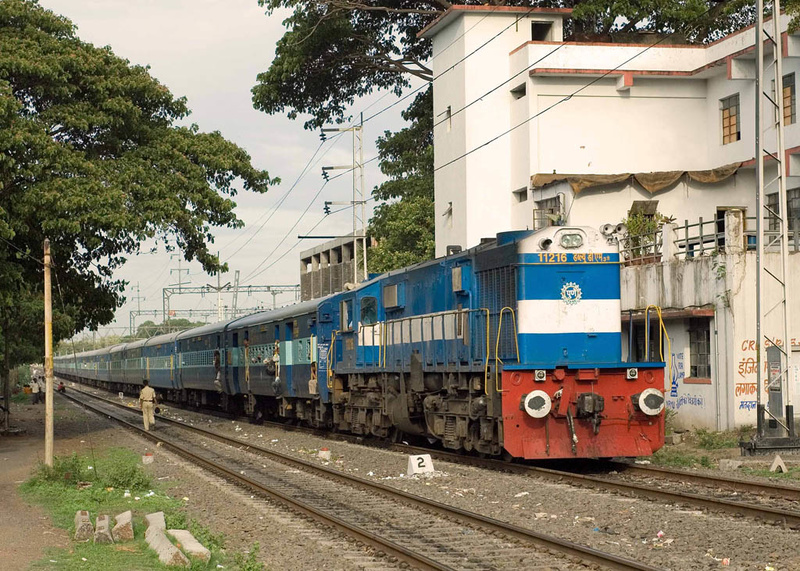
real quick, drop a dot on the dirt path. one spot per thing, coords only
(25, 530)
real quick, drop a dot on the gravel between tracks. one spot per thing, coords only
(690, 539)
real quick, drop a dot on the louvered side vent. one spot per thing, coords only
(497, 288)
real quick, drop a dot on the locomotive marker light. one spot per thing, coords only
(632, 374)
(570, 241)
(537, 404)
(650, 401)
(540, 375)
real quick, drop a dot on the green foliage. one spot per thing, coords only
(212, 541)
(65, 470)
(792, 474)
(642, 237)
(675, 458)
(56, 489)
(249, 561)
(335, 51)
(404, 226)
(710, 440)
(99, 557)
(91, 157)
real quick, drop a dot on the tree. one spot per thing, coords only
(92, 157)
(337, 50)
(404, 223)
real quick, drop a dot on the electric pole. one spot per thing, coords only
(48, 359)
(357, 168)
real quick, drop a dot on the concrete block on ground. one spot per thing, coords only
(84, 531)
(123, 531)
(778, 465)
(189, 544)
(673, 439)
(156, 520)
(728, 464)
(102, 530)
(168, 554)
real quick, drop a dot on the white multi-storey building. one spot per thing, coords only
(530, 129)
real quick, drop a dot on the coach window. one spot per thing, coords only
(369, 310)
(346, 310)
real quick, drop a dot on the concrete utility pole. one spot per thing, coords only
(357, 168)
(48, 359)
(773, 336)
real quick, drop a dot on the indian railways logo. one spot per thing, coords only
(571, 293)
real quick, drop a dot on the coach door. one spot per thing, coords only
(347, 331)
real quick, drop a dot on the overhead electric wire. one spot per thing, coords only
(283, 198)
(452, 67)
(570, 96)
(495, 88)
(314, 227)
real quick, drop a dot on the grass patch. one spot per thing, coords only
(673, 458)
(21, 398)
(792, 474)
(248, 561)
(62, 490)
(710, 440)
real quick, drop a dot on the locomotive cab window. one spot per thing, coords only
(369, 310)
(346, 311)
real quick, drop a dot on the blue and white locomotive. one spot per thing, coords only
(514, 345)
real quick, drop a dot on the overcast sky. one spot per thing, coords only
(211, 51)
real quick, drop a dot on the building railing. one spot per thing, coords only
(730, 233)
(643, 248)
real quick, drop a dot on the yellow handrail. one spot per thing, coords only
(497, 360)
(662, 329)
(486, 363)
(328, 381)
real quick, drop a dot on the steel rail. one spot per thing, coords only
(787, 517)
(418, 560)
(735, 484)
(587, 554)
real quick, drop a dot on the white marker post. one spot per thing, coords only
(421, 464)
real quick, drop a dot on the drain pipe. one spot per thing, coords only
(716, 369)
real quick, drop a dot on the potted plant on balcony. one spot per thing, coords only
(642, 241)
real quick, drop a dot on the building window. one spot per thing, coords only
(730, 119)
(700, 348)
(793, 198)
(521, 194)
(789, 99)
(547, 212)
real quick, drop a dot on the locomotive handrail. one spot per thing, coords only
(328, 368)
(486, 363)
(663, 329)
(497, 359)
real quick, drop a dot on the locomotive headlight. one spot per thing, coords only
(571, 240)
(537, 404)
(650, 401)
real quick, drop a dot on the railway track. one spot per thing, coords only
(710, 496)
(420, 532)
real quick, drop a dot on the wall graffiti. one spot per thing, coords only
(745, 387)
(686, 400)
(678, 373)
(675, 400)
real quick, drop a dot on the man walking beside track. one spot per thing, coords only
(147, 400)
(35, 390)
